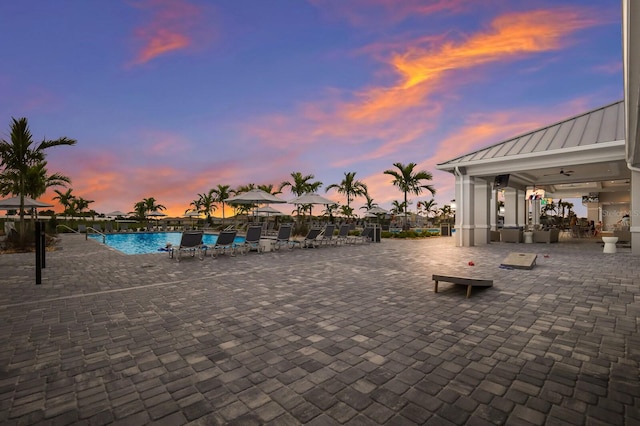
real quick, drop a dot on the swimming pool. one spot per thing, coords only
(148, 242)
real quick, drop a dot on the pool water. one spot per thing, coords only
(148, 242)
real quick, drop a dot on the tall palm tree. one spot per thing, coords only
(79, 204)
(350, 187)
(65, 199)
(140, 208)
(270, 189)
(152, 206)
(398, 207)
(222, 193)
(18, 156)
(207, 204)
(300, 185)
(408, 180)
(369, 203)
(428, 207)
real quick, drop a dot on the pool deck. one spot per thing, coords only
(323, 336)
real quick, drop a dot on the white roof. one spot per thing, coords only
(601, 125)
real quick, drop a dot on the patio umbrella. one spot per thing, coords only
(268, 211)
(377, 210)
(155, 215)
(13, 203)
(311, 198)
(255, 196)
(115, 213)
(192, 215)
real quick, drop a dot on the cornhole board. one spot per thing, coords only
(469, 282)
(520, 260)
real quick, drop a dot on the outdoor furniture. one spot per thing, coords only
(283, 237)
(549, 236)
(225, 243)
(511, 235)
(469, 282)
(310, 240)
(252, 240)
(609, 244)
(190, 242)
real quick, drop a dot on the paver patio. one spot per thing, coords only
(335, 335)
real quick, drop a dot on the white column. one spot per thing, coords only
(522, 208)
(493, 210)
(465, 198)
(482, 211)
(510, 207)
(634, 213)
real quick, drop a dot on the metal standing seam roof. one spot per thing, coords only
(604, 124)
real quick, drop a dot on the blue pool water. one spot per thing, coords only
(148, 242)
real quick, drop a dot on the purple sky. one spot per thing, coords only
(169, 98)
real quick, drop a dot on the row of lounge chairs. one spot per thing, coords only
(191, 242)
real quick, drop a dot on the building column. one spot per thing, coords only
(511, 207)
(482, 211)
(493, 210)
(465, 198)
(522, 213)
(634, 213)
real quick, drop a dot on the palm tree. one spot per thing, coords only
(65, 199)
(369, 204)
(445, 212)
(140, 208)
(17, 159)
(152, 206)
(349, 187)
(428, 207)
(300, 185)
(398, 207)
(409, 181)
(79, 204)
(207, 204)
(270, 189)
(222, 193)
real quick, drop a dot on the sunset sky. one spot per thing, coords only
(169, 98)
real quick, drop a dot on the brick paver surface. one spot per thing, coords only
(334, 335)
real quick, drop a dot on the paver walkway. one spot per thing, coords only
(333, 335)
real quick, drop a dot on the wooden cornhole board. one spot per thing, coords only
(469, 282)
(520, 260)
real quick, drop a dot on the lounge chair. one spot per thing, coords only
(311, 239)
(284, 237)
(225, 243)
(252, 240)
(108, 227)
(190, 242)
(365, 236)
(343, 234)
(326, 237)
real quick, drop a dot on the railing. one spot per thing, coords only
(104, 237)
(65, 226)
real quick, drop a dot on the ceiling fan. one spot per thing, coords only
(562, 172)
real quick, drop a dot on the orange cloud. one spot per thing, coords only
(387, 118)
(173, 26)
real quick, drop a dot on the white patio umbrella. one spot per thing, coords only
(311, 198)
(13, 203)
(192, 215)
(116, 213)
(268, 211)
(255, 196)
(155, 215)
(377, 210)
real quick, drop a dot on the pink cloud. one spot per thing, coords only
(173, 25)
